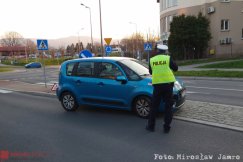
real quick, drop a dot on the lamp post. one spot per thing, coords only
(135, 25)
(90, 25)
(136, 36)
(101, 37)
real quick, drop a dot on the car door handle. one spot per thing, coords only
(100, 84)
(78, 82)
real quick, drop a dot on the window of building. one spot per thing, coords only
(166, 24)
(242, 33)
(224, 25)
(171, 18)
(168, 3)
(225, 1)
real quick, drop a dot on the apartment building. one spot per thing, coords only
(226, 22)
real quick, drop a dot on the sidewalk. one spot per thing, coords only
(219, 115)
(26, 87)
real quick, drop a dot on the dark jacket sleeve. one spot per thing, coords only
(150, 69)
(173, 65)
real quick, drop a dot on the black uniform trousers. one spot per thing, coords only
(162, 92)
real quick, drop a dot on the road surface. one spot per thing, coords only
(38, 124)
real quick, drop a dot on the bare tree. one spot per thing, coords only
(30, 46)
(12, 39)
(136, 42)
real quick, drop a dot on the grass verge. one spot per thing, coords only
(211, 73)
(22, 62)
(208, 60)
(227, 65)
(5, 69)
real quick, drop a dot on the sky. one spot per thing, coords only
(53, 19)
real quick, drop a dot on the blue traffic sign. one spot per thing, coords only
(108, 49)
(147, 46)
(85, 54)
(42, 44)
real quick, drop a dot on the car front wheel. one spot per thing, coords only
(68, 102)
(142, 106)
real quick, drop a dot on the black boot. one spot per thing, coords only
(150, 129)
(166, 129)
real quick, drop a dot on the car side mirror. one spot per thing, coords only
(122, 79)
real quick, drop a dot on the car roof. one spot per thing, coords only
(101, 59)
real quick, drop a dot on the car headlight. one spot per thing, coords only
(177, 85)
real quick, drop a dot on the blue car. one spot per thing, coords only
(110, 82)
(33, 65)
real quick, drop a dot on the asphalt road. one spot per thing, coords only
(215, 91)
(38, 124)
(34, 76)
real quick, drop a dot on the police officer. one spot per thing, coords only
(161, 67)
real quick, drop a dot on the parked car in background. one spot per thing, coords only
(110, 82)
(33, 55)
(33, 65)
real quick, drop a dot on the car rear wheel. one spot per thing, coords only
(142, 106)
(68, 101)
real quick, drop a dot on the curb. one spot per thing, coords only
(238, 129)
(46, 94)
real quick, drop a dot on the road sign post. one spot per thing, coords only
(42, 45)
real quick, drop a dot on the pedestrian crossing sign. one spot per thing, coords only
(147, 46)
(42, 44)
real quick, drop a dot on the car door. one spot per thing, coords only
(85, 83)
(112, 92)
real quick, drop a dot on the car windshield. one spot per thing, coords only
(137, 66)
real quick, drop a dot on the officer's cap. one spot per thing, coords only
(162, 47)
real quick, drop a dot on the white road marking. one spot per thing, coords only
(5, 91)
(187, 81)
(192, 92)
(48, 83)
(42, 83)
(223, 89)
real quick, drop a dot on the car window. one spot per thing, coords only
(85, 69)
(137, 66)
(69, 68)
(108, 70)
(131, 75)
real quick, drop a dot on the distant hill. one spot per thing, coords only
(64, 42)
(56, 43)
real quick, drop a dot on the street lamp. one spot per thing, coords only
(136, 36)
(90, 24)
(101, 37)
(134, 24)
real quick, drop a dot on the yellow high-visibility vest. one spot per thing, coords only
(161, 72)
